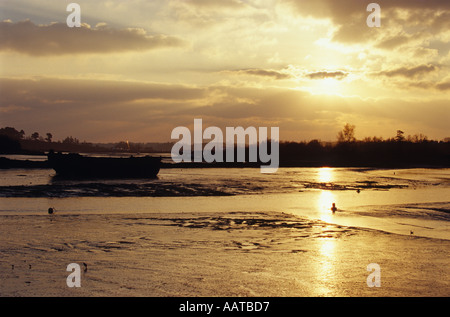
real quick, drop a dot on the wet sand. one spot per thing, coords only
(213, 254)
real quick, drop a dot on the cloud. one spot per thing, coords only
(424, 77)
(58, 39)
(443, 86)
(274, 74)
(401, 20)
(100, 110)
(95, 109)
(323, 75)
(393, 42)
(220, 4)
(48, 91)
(121, 108)
(341, 11)
(409, 72)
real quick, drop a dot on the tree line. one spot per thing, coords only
(15, 141)
(397, 151)
(400, 150)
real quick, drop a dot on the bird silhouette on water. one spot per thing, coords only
(333, 208)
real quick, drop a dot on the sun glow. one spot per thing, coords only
(327, 86)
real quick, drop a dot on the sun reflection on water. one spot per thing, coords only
(324, 203)
(326, 197)
(325, 175)
(325, 269)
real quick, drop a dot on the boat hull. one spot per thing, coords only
(78, 166)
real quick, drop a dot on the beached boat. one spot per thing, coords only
(79, 166)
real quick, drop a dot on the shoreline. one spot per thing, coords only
(213, 254)
(6, 163)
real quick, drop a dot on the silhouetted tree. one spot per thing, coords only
(49, 137)
(12, 133)
(400, 136)
(35, 136)
(417, 138)
(347, 134)
(71, 140)
(374, 139)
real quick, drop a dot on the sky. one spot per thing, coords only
(137, 69)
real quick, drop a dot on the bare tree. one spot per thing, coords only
(347, 134)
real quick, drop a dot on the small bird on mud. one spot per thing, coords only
(333, 208)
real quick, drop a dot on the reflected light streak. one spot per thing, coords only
(325, 175)
(326, 198)
(326, 271)
(324, 203)
(327, 249)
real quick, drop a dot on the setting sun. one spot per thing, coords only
(327, 86)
